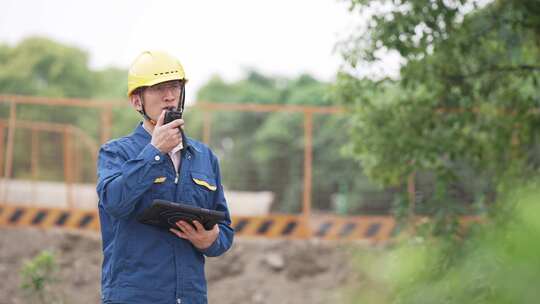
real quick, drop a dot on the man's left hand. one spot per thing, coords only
(198, 236)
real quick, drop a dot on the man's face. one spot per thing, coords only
(164, 95)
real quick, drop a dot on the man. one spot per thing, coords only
(143, 263)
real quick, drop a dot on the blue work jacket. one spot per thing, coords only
(142, 263)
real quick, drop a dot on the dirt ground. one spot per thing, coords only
(253, 271)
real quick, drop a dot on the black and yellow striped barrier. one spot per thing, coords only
(371, 228)
(21, 216)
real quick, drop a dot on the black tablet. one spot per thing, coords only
(165, 214)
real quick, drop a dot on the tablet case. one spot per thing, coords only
(165, 214)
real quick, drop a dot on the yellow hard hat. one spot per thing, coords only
(153, 67)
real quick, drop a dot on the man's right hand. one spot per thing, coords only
(166, 137)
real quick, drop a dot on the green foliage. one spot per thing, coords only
(38, 275)
(496, 264)
(464, 104)
(39, 66)
(42, 67)
(110, 83)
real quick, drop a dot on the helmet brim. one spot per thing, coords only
(155, 81)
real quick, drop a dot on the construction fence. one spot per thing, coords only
(276, 160)
(288, 157)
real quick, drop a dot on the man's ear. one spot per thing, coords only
(136, 102)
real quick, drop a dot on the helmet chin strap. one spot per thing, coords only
(180, 106)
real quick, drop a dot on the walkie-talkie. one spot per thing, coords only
(171, 115)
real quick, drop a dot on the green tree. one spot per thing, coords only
(464, 104)
(109, 83)
(39, 66)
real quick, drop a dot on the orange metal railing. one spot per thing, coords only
(105, 108)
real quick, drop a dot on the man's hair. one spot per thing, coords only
(138, 91)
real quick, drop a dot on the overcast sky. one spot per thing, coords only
(277, 37)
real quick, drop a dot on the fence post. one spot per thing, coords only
(68, 166)
(308, 155)
(9, 149)
(34, 161)
(2, 149)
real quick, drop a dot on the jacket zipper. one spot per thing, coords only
(177, 178)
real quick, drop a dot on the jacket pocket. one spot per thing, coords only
(204, 180)
(203, 188)
(162, 189)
